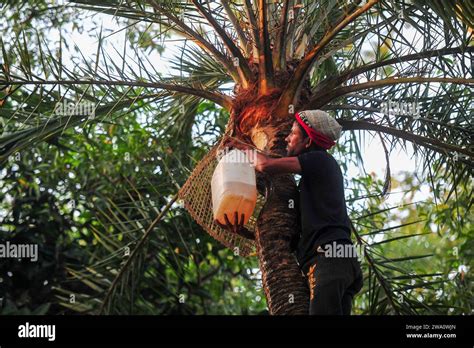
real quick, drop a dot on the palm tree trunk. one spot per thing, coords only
(283, 282)
(277, 226)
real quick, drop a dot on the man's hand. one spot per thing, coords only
(237, 227)
(258, 160)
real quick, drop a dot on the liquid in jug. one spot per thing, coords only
(233, 187)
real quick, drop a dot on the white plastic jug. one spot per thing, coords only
(233, 187)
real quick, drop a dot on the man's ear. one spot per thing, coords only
(310, 141)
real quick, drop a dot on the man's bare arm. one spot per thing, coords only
(284, 165)
(270, 165)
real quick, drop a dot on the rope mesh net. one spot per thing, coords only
(197, 198)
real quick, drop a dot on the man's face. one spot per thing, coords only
(295, 142)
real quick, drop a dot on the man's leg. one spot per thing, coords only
(328, 280)
(333, 282)
(354, 288)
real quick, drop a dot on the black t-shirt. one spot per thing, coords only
(322, 206)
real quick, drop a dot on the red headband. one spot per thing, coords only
(319, 138)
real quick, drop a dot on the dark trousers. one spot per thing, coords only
(333, 282)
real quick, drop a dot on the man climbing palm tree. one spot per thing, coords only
(333, 281)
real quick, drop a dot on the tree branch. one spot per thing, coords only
(440, 146)
(199, 40)
(290, 36)
(368, 109)
(332, 82)
(218, 98)
(243, 68)
(280, 43)
(293, 87)
(136, 251)
(253, 25)
(265, 64)
(238, 28)
(322, 99)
